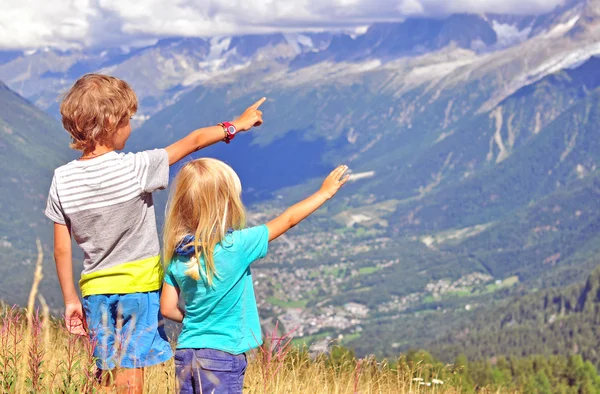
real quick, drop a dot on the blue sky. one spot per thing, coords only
(29, 24)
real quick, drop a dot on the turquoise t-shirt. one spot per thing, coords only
(225, 316)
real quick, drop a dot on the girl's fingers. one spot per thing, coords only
(339, 172)
(344, 179)
(333, 175)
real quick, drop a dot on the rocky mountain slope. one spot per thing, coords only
(32, 144)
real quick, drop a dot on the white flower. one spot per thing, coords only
(437, 381)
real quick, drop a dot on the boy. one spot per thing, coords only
(104, 200)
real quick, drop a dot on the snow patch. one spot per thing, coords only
(359, 31)
(366, 66)
(218, 46)
(562, 62)
(434, 71)
(299, 42)
(509, 35)
(562, 28)
(213, 72)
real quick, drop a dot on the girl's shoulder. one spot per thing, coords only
(252, 242)
(246, 235)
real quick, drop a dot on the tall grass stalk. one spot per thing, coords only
(38, 355)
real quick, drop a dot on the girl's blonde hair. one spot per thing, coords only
(205, 202)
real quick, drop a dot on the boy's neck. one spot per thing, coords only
(99, 150)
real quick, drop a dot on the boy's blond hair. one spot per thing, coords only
(205, 202)
(94, 108)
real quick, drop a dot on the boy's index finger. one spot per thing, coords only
(258, 103)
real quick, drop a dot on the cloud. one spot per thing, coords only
(26, 24)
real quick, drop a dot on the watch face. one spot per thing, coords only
(231, 130)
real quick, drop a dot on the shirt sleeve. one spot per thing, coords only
(256, 243)
(151, 169)
(54, 209)
(170, 278)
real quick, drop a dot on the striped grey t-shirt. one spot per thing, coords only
(107, 204)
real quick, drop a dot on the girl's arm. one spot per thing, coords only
(300, 211)
(207, 136)
(169, 303)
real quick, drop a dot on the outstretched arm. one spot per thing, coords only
(169, 303)
(201, 138)
(300, 211)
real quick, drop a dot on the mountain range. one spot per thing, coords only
(473, 141)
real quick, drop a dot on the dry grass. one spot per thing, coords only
(37, 355)
(54, 362)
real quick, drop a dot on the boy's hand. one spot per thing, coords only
(252, 117)
(334, 181)
(201, 138)
(74, 318)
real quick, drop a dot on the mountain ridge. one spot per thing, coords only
(172, 66)
(32, 144)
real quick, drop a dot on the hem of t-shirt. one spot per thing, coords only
(222, 348)
(131, 277)
(129, 290)
(169, 283)
(55, 219)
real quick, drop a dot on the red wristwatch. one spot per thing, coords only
(230, 131)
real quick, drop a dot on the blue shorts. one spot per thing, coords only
(127, 330)
(209, 371)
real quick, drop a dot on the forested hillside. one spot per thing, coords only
(554, 321)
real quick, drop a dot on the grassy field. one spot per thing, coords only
(43, 358)
(37, 355)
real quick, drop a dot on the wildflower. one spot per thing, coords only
(417, 379)
(437, 381)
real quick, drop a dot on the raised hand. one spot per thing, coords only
(334, 181)
(74, 318)
(252, 117)
(300, 211)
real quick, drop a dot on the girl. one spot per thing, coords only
(210, 253)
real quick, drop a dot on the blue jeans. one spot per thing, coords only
(209, 371)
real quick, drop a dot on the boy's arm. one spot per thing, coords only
(74, 317)
(169, 303)
(207, 136)
(298, 212)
